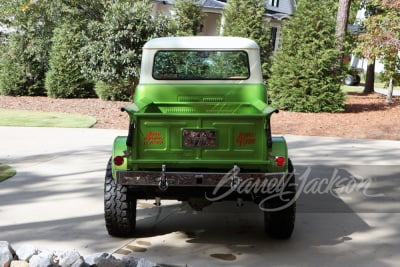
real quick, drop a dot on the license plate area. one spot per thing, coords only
(199, 138)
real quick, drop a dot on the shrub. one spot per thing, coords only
(115, 91)
(12, 77)
(64, 79)
(21, 72)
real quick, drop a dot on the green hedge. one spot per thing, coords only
(118, 91)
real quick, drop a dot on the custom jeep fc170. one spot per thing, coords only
(200, 132)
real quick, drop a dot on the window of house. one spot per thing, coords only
(274, 3)
(274, 35)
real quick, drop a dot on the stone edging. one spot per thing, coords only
(30, 256)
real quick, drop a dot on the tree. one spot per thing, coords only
(27, 50)
(302, 74)
(341, 26)
(382, 37)
(188, 17)
(64, 79)
(28, 46)
(114, 45)
(245, 18)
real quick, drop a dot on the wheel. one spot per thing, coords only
(348, 80)
(279, 224)
(119, 207)
(357, 80)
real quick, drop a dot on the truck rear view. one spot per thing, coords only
(200, 132)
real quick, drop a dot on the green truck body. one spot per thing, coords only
(199, 121)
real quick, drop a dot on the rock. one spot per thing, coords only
(130, 261)
(94, 259)
(43, 259)
(6, 244)
(25, 252)
(19, 263)
(6, 254)
(68, 258)
(146, 263)
(80, 263)
(110, 261)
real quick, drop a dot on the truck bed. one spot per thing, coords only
(201, 135)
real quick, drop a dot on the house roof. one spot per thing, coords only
(205, 3)
(276, 15)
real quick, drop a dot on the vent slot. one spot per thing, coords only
(208, 99)
(213, 99)
(189, 99)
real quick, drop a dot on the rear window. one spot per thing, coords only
(201, 65)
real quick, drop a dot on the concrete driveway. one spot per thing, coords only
(348, 212)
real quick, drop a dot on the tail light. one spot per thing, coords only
(280, 161)
(118, 160)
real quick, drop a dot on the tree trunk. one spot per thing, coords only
(341, 26)
(370, 78)
(390, 92)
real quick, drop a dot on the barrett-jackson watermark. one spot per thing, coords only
(279, 188)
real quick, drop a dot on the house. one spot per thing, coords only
(275, 12)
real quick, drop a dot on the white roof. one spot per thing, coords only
(201, 42)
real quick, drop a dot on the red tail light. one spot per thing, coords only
(280, 161)
(118, 160)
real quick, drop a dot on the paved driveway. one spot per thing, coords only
(348, 210)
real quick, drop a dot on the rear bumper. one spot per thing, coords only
(230, 179)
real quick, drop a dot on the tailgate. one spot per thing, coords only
(203, 136)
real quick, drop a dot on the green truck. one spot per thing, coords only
(200, 132)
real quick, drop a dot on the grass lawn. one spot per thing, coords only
(352, 89)
(6, 172)
(10, 117)
(360, 88)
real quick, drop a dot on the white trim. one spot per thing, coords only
(201, 42)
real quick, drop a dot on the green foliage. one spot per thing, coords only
(381, 38)
(28, 46)
(25, 57)
(302, 77)
(6, 172)
(244, 18)
(116, 91)
(21, 68)
(188, 17)
(114, 45)
(64, 79)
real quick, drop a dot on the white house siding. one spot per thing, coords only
(211, 24)
(161, 8)
(285, 6)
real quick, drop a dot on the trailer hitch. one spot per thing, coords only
(163, 184)
(235, 179)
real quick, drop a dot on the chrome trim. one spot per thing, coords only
(196, 179)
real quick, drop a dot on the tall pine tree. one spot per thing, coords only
(188, 17)
(303, 77)
(245, 18)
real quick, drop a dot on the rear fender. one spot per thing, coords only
(119, 149)
(278, 149)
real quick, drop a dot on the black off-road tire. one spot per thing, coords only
(357, 80)
(279, 224)
(119, 207)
